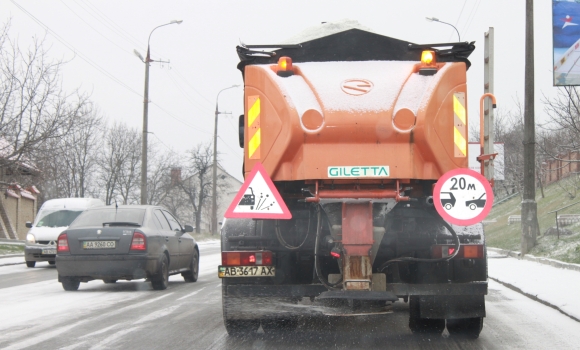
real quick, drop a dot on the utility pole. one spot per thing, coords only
(530, 227)
(488, 125)
(147, 61)
(214, 224)
(144, 137)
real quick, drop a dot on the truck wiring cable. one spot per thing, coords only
(284, 243)
(411, 259)
(330, 286)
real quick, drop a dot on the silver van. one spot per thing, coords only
(54, 216)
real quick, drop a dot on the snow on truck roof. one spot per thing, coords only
(347, 40)
(324, 29)
(387, 77)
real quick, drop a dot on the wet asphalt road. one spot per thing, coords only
(35, 312)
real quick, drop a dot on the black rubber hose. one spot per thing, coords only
(284, 243)
(316, 261)
(410, 259)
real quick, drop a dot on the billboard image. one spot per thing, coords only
(566, 42)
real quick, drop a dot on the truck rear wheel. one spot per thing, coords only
(234, 326)
(467, 327)
(423, 325)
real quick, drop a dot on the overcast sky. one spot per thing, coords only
(100, 36)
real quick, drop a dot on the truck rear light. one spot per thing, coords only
(466, 251)
(285, 67)
(139, 241)
(246, 258)
(62, 243)
(335, 253)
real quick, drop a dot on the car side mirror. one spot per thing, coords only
(28, 224)
(188, 228)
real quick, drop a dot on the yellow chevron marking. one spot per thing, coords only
(254, 112)
(460, 141)
(254, 144)
(459, 109)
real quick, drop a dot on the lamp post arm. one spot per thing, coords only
(449, 24)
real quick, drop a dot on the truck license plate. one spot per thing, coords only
(49, 251)
(98, 244)
(246, 271)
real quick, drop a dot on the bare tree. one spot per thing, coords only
(158, 176)
(130, 169)
(69, 163)
(197, 183)
(33, 107)
(118, 151)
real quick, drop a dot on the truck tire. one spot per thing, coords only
(466, 327)
(423, 325)
(234, 326)
(30, 263)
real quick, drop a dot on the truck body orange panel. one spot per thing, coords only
(411, 131)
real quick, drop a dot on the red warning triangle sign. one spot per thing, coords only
(258, 198)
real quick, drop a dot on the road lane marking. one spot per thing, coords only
(56, 332)
(192, 294)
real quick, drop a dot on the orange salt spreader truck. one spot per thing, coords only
(354, 129)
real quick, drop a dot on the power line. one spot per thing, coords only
(97, 31)
(74, 50)
(458, 17)
(114, 27)
(181, 75)
(206, 109)
(180, 120)
(474, 10)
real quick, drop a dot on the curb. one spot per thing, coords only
(12, 241)
(534, 297)
(11, 256)
(545, 261)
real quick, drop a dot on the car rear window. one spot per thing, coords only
(121, 216)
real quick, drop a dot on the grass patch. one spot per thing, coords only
(11, 249)
(501, 235)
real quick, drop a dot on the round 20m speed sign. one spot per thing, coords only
(463, 197)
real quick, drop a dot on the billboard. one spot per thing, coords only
(566, 42)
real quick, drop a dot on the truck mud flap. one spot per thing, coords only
(471, 288)
(450, 307)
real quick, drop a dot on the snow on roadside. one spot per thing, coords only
(558, 287)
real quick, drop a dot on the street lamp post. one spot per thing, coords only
(214, 170)
(433, 19)
(145, 116)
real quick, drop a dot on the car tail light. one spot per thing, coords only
(246, 258)
(139, 242)
(466, 251)
(62, 243)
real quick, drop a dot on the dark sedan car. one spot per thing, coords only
(126, 242)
